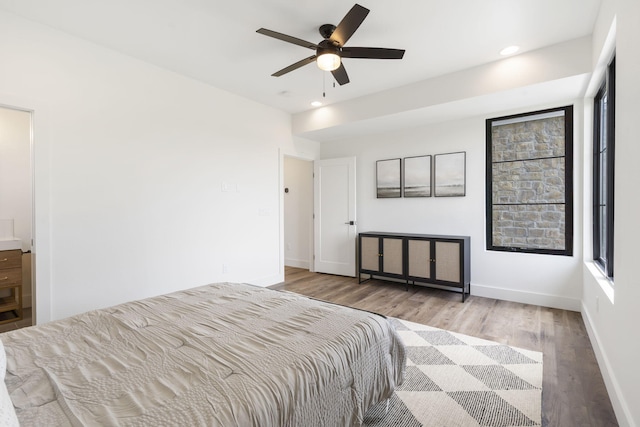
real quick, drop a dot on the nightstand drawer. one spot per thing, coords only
(10, 259)
(10, 277)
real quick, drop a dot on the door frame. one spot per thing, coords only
(32, 226)
(41, 203)
(282, 153)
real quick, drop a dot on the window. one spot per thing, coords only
(603, 171)
(530, 182)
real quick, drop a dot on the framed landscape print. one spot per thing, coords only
(417, 176)
(450, 174)
(388, 183)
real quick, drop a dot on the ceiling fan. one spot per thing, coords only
(331, 50)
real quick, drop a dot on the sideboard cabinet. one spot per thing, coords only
(424, 258)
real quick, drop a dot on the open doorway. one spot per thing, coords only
(16, 219)
(298, 213)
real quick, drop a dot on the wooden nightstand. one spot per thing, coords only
(10, 286)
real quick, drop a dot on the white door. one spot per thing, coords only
(335, 216)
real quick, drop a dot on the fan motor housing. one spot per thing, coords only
(326, 30)
(327, 46)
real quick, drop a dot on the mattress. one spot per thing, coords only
(218, 355)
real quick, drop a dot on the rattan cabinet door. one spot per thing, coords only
(447, 261)
(392, 256)
(370, 253)
(419, 258)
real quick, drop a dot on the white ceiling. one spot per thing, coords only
(214, 41)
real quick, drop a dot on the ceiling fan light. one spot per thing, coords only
(328, 61)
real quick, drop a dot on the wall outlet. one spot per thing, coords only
(225, 268)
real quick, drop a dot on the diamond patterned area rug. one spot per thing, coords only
(458, 380)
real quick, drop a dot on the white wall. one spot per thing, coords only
(527, 77)
(538, 279)
(298, 211)
(146, 182)
(611, 313)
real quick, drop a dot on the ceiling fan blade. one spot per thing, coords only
(349, 24)
(340, 74)
(371, 53)
(295, 66)
(286, 38)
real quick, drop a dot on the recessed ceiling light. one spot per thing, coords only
(509, 50)
(316, 104)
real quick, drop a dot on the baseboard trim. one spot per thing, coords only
(544, 300)
(267, 281)
(620, 406)
(298, 263)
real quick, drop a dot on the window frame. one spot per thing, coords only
(607, 171)
(568, 202)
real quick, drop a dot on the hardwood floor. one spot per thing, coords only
(573, 392)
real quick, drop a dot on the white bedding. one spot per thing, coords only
(222, 354)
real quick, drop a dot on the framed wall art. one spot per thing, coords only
(388, 178)
(450, 174)
(417, 176)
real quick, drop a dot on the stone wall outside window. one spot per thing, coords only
(528, 184)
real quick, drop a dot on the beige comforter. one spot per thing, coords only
(218, 355)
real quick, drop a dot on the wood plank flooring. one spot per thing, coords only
(573, 392)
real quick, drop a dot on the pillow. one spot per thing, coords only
(8, 416)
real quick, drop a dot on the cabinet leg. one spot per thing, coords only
(466, 291)
(360, 281)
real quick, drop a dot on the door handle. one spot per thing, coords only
(350, 223)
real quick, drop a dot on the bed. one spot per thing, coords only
(222, 354)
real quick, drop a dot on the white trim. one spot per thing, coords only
(605, 283)
(41, 229)
(282, 153)
(606, 54)
(620, 406)
(267, 281)
(544, 300)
